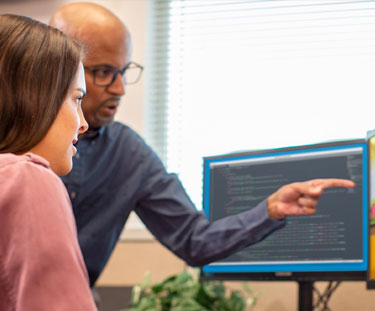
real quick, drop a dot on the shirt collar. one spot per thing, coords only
(95, 132)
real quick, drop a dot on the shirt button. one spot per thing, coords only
(77, 155)
(73, 195)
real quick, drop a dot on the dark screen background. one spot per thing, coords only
(333, 233)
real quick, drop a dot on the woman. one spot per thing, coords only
(41, 88)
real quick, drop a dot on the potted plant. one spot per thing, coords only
(187, 292)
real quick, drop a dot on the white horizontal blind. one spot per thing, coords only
(239, 75)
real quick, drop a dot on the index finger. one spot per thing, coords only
(332, 182)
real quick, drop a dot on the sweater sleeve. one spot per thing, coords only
(41, 267)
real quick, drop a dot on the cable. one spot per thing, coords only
(323, 299)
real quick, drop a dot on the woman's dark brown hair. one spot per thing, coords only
(38, 64)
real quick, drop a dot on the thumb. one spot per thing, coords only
(306, 188)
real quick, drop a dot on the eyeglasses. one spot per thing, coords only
(106, 75)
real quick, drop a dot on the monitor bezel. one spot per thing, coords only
(337, 271)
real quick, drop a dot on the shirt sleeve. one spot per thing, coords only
(41, 267)
(169, 214)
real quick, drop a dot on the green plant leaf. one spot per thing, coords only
(150, 304)
(204, 296)
(216, 289)
(146, 280)
(157, 288)
(136, 294)
(187, 292)
(184, 304)
(247, 288)
(237, 301)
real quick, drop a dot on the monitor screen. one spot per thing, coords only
(332, 244)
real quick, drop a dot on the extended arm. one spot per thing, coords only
(171, 217)
(169, 214)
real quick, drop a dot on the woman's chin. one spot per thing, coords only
(64, 168)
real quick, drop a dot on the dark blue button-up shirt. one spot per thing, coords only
(115, 172)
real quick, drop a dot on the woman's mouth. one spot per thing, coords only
(75, 140)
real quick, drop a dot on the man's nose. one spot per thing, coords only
(117, 87)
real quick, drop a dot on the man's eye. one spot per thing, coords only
(104, 72)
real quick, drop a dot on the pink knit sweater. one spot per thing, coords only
(41, 266)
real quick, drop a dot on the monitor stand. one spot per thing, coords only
(305, 295)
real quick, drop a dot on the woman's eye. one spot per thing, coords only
(79, 100)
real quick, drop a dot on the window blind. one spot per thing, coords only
(226, 76)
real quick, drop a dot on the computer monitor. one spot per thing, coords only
(330, 245)
(371, 270)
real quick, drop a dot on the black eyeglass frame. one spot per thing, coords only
(94, 69)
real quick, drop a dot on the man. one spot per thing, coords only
(115, 172)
